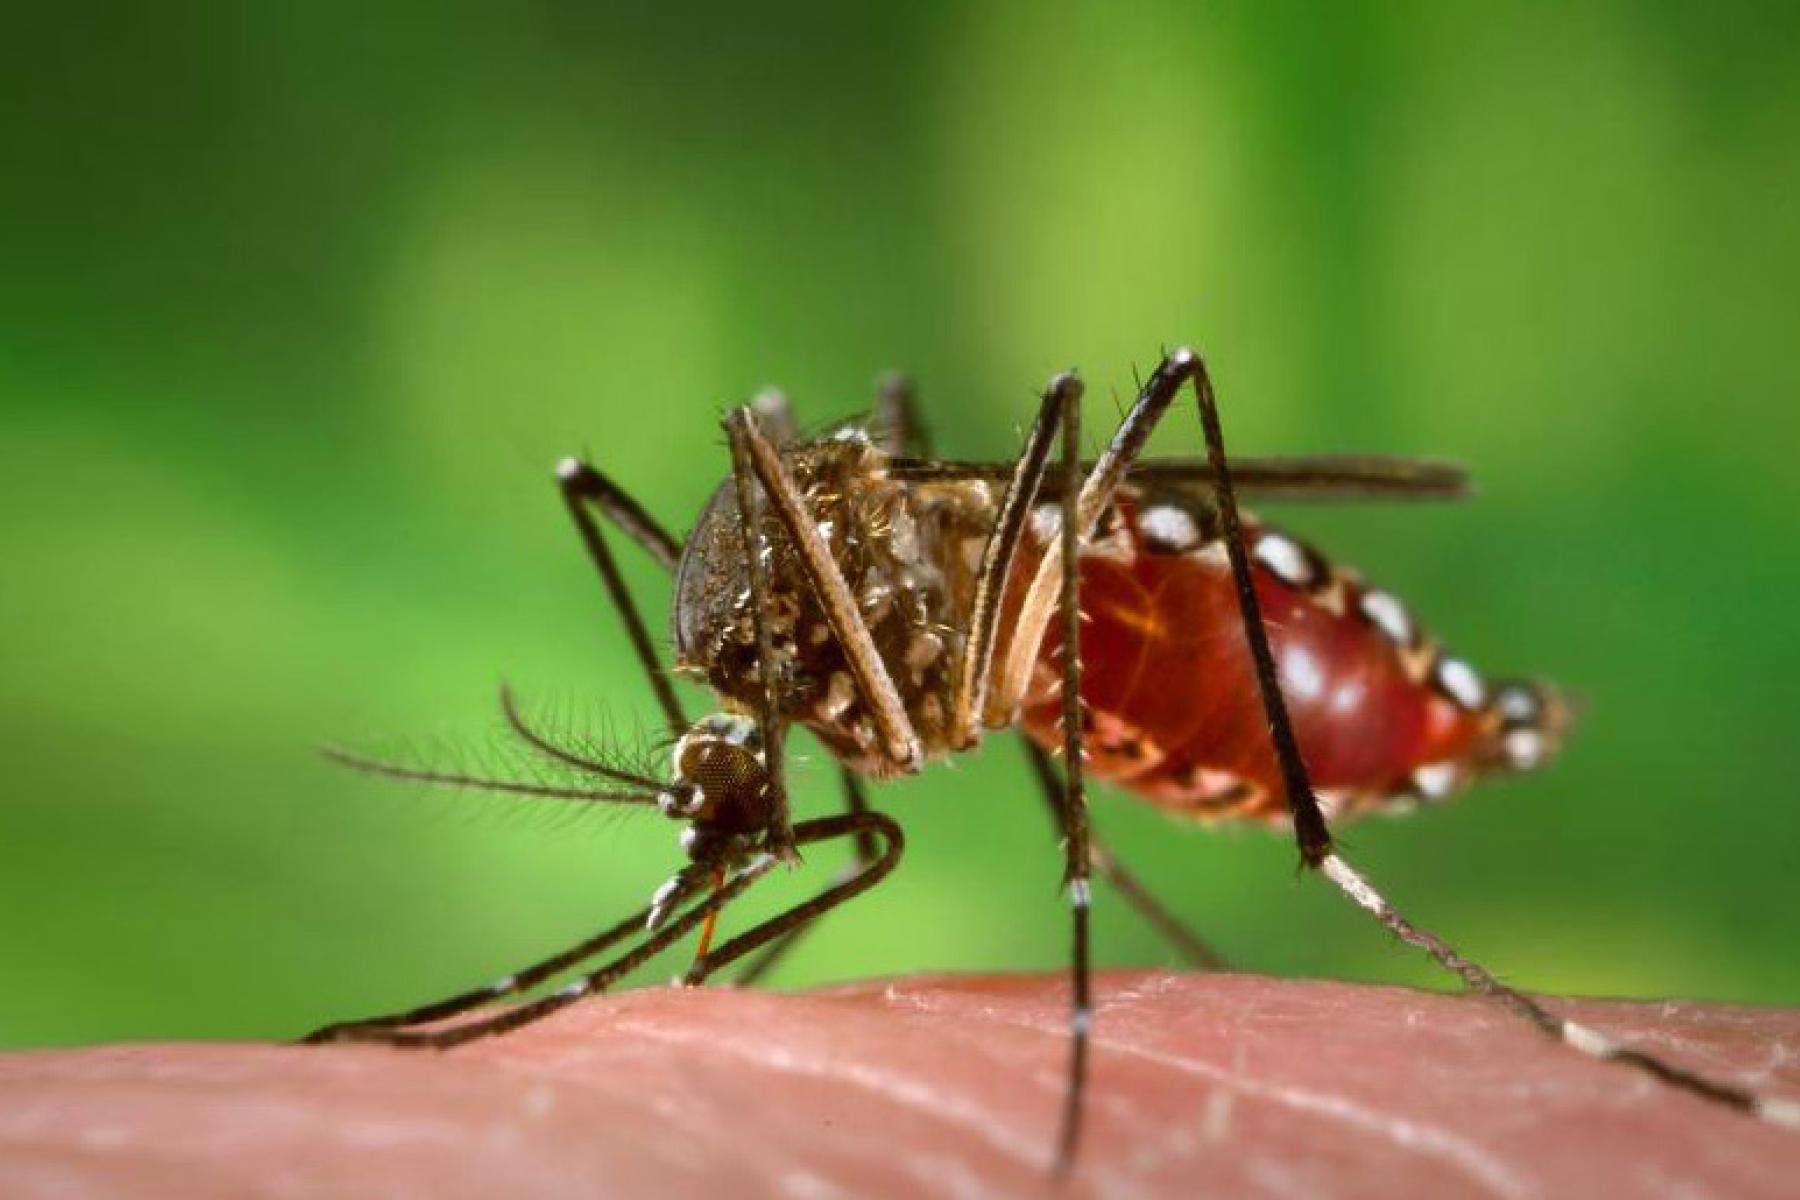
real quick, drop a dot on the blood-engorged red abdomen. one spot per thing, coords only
(1171, 705)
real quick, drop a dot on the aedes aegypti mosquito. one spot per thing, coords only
(1124, 614)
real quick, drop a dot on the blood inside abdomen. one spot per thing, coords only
(1173, 708)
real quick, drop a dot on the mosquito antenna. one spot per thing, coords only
(372, 766)
(548, 748)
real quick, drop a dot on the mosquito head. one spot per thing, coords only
(719, 780)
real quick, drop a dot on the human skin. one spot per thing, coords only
(1203, 1085)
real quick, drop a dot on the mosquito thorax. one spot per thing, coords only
(909, 554)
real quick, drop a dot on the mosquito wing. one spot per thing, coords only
(1303, 477)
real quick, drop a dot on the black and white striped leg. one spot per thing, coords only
(1317, 851)
(693, 881)
(1190, 945)
(1075, 815)
(1581, 1037)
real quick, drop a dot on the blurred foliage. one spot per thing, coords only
(298, 305)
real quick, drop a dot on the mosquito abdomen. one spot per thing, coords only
(1386, 718)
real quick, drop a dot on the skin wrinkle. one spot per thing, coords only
(1431, 1140)
(695, 1122)
(1051, 1077)
(694, 1109)
(1405, 1132)
(1027, 1152)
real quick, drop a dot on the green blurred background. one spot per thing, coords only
(299, 304)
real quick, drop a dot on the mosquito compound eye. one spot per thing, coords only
(729, 780)
(722, 770)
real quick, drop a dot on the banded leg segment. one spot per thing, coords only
(397, 1030)
(1190, 945)
(1066, 390)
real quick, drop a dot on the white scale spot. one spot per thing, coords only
(503, 985)
(1302, 675)
(1524, 748)
(1166, 527)
(1436, 780)
(575, 989)
(1083, 1022)
(1080, 894)
(1353, 884)
(1046, 521)
(1388, 615)
(1460, 682)
(568, 468)
(839, 693)
(1519, 705)
(1284, 557)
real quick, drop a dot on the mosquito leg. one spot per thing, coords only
(1317, 852)
(775, 416)
(856, 803)
(896, 424)
(865, 827)
(1583, 1038)
(597, 981)
(1010, 676)
(508, 985)
(1075, 811)
(1186, 942)
(756, 550)
(695, 878)
(751, 453)
(582, 486)
(997, 559)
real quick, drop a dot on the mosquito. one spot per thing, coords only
(1124, 614)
